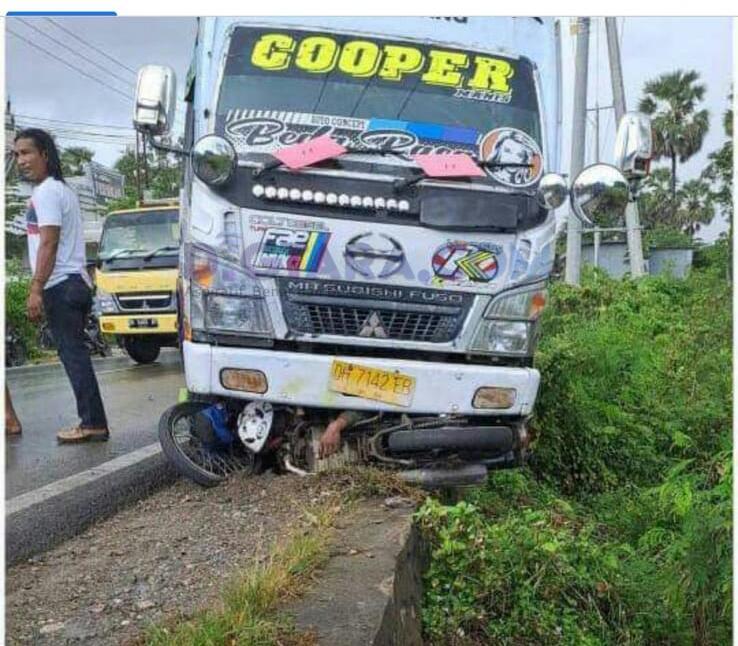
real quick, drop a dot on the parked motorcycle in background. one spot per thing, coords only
(95, 342)
(15, 348)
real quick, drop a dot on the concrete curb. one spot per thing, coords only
(38, 520)
(370, 590)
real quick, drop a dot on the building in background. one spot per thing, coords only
(95, 188)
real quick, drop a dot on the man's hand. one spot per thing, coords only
(35, 303)
(330, 441)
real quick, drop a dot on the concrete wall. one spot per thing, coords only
(677, 262)
(612, 257)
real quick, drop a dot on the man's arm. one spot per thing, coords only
(45, 261)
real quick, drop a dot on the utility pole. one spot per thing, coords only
(632, 226)
(145, 163)
(138, 168)
(579, 126)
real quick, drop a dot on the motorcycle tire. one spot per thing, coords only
(15, 354)
(204, 466)
(45, 338)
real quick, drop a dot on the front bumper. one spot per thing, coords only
(126, 323)
(302, 379)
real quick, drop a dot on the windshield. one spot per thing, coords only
(140, 233)
(283, 86)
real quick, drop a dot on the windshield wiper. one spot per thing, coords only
(117, 254)
(402, 184)
(276, 163)
(158, 250)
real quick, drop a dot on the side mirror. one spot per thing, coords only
(599, 191)
(634, 145)
(153, 110)
(552, 191)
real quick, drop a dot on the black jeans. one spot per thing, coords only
(67, 306)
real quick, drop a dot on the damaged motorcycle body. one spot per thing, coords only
(364, 281)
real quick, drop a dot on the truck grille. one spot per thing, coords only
(397, 320)
(145, 302)
(403, 326)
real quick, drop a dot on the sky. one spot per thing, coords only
(53, 85)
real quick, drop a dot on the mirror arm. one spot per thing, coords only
(166, 147)
(634, 186)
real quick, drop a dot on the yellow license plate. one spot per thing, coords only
(372, 383)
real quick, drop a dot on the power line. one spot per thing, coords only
(90, 45)
(116, 144)
(96, 136)
(76, 53)
(25, 123)
(93, 138)
(68, 64)
(76, 123)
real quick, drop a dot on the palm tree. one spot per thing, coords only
(720, 169)
(679, 127)
(696, 206)
(656, 203)
(73, 160)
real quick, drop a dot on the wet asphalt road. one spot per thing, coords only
(134, 396)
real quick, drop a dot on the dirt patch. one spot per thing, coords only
(167, 554)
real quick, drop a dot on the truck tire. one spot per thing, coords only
(141, 350)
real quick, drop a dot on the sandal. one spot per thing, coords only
(77, 435)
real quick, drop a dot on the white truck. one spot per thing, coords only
(388, 279)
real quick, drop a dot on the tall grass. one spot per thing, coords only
(620, 530)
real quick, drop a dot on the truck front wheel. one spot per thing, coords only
(141, 349)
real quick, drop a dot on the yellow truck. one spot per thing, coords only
(136, 279)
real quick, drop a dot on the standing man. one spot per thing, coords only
(60, 287)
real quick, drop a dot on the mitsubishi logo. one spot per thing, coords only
(373, 327)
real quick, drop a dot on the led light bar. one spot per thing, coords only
(331, 199)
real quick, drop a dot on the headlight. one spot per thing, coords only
(104, 303)
(247, 315)
(224, 297)
(510, 324)
(213, 160)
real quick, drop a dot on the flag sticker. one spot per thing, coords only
(292, 250)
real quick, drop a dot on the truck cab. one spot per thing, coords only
(401, 277)
(136, 277)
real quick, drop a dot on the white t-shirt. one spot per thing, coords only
(53, 203)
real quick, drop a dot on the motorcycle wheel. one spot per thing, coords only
(45, 338)
(188, 454)
(15, 354)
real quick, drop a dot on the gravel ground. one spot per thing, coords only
(171, 552)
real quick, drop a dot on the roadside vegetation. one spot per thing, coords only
(620, 529)
(248, 610)
(17, 288)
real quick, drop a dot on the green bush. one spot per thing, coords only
(634, 375)
(534, 571)
(665, 237)
(620, 531)
(17, 287)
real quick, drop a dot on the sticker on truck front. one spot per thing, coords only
(458, 260)
(512, 149)
(269, 130)
(292, 250)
